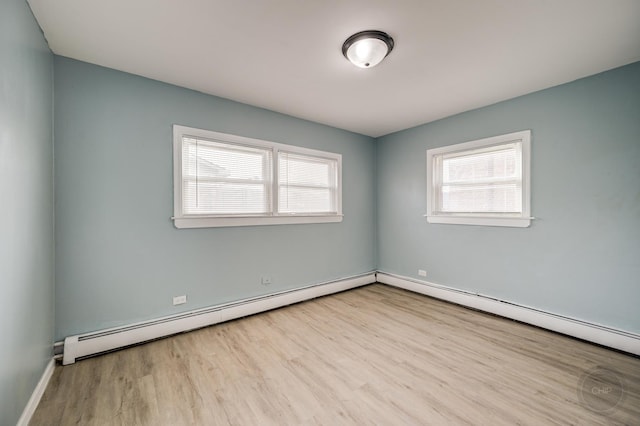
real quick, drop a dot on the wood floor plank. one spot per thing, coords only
(374, 355)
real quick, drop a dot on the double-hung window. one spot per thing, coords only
(227, 180)
(482, 182)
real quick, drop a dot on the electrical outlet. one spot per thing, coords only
(266, 280)
(422, 272)
(179, 300)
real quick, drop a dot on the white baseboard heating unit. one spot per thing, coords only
(88, 344)
(606, 336)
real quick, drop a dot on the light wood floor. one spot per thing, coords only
(373, 355)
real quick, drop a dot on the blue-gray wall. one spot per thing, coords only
(26, 215)
(119, 259)
(581, 257)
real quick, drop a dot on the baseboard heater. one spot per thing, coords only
(85, 345)
(606, 336)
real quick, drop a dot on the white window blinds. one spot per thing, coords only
(224, 179)
(306, 184)
(482, 181)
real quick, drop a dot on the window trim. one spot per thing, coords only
(182, 220)
(519, 220)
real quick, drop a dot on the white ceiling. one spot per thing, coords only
(285, 55)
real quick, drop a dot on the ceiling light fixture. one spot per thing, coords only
(367, 49)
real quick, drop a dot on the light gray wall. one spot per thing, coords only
(26, 215)
(119, 259)
(581, 257)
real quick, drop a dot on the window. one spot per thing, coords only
(307, 184)
(483, 182)
(227, 180)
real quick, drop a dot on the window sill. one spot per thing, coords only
(514, 222)
(217, 222)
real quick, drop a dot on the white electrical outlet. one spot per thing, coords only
(422, 272)
(179, 300)
(266, 280)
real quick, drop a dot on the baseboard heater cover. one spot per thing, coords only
(610, 337)
(84, 345)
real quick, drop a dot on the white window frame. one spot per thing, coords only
(434, 175)
(182, 220)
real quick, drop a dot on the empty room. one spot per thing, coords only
(289, 212)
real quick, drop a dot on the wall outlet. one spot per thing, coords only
(266, 280)
(179, 300)
(422, 272)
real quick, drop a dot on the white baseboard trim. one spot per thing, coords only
(88, 344)
(33, 402)
(613, 338)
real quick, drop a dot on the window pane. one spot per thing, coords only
(223, 198)
(306, 184)
(481, 166)
(503, 198)
(485, 180)
(305, 200)
(211, 159)
(302, 170)
(220, 178)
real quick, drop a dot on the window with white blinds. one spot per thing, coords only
(224, 179)
(227, 180)
(483, 182)
(307, 184)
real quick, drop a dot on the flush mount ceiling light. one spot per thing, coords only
(367, 49)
